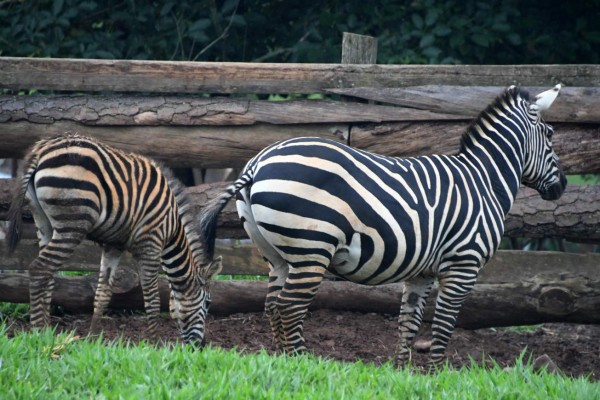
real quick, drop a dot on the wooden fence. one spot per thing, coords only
(199, 115)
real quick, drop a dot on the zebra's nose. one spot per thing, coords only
(555, 190)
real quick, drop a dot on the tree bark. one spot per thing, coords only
(197, 111)
(575, 216)
(83, 75)
(575, 104)
(516, 288)
(189, 146)
(577, 145)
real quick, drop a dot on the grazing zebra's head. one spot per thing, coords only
(190, 307)
(191, 289)
(541, 170)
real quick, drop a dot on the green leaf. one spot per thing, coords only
(426, 40)
(417, 21)
(481, 40)
(57, 7)
(441, 30)
(431, 16)
(166, 9)
(200, 25)
(514, 39)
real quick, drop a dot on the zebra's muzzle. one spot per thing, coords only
(554, 191)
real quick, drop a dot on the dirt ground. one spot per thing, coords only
(350, 336)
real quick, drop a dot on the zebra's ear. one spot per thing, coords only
(213, 269)
(544, 100)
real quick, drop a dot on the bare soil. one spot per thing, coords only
(351, 336)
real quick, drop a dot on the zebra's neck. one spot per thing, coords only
(494, 145)
(186, 240)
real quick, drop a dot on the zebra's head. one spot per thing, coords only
(541, 169)
(190, 307)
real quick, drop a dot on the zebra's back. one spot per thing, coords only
(116, 196)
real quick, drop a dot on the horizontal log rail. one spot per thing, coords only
(577, 145)
(215, 77)
(515, 288)
(422, 103)
(575, 216)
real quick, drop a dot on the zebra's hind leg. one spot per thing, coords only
(293, 301)
(278, 273)
(108, 265)
(414, 296)
(454, 286)
(149, 260)
(41, 275)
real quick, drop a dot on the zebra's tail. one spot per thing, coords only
(210, 213)
(15, 212)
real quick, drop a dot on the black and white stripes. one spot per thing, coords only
(79, 188)
(312, 204)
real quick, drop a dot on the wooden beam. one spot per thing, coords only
(190, 146)
(238, 258)
(198, 111)
(574, 104)
(577, 145)
(575, 216)
(516, 288)
(213, 77)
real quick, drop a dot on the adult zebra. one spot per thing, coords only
(78, 188)
(311, 205)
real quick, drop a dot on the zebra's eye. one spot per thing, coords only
(549, 133)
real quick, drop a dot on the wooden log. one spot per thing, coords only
(190, 146)
(238, 259)
(577, 145)
(516, 288)
(83, 75)
(575, 216)
(197, 111)
(575, 104)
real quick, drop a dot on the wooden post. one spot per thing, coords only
(358, 49)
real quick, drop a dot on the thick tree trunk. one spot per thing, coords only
(516, 288)
(575, 216)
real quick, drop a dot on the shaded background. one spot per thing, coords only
(420, 31)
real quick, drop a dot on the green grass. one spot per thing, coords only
(13, 310)
(44, 365)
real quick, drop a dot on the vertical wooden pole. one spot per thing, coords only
(358, 49)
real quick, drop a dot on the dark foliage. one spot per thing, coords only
(419, 31)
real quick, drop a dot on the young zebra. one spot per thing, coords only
(312, 204)
(80, 188)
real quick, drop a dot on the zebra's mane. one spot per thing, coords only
(186, 214)
(511, 93)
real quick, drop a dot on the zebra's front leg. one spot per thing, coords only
(414, 297)
(454, 286)
(292, 304)
(278, 274)
(108, 265)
